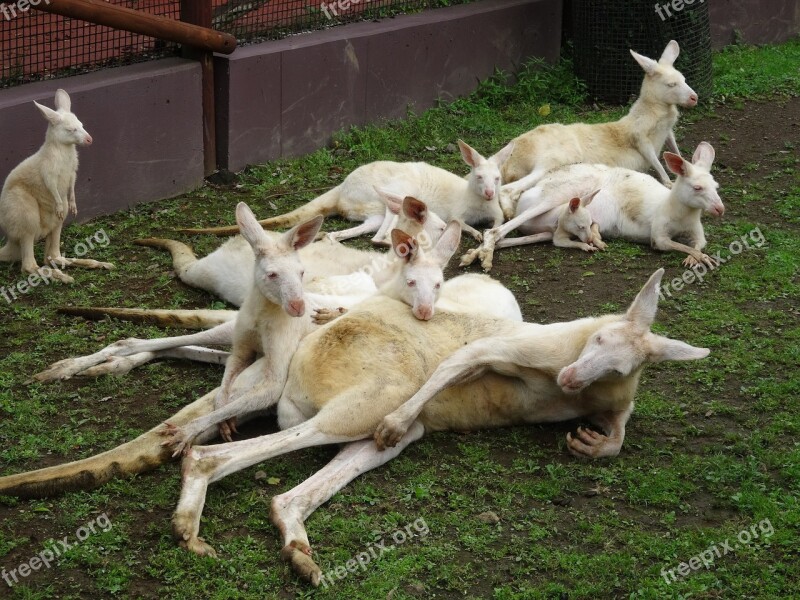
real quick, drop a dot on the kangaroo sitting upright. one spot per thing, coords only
(633, 142)
(40, 190)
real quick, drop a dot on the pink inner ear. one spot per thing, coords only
(675, 163)
(574, 204)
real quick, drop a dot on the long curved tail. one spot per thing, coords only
(144, 453)
(327, 204)
(182, 254)
(186, 319)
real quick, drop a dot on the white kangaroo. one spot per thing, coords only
(633, 142)
(38, 193)
(468, 200)
(559, 225)
(628, 205)
(490, 373)
(263, 331)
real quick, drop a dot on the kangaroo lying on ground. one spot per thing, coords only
(40, 190)
(634, 142)
(469, 201)
(560, 224)
(228, 273)
(629, 205)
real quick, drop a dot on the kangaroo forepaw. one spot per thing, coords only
(298, 554)
(591, 444)
(390, 431)
(178, 439)
(326, 315)
(469, 257)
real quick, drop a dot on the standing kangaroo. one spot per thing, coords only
(633, 142)
(40, 190)
(468, 200)
(628, 205)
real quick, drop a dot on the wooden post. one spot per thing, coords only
(198, 12)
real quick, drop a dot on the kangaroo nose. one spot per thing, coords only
(424, 312)
(88, 140)
(297, 308)
(692, 99)
(489, 194)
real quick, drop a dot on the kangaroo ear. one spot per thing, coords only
(62, 100)
(48, 113)
(393, 201)
(648, 64)
(414, 209)
(471, 156)
(403, 245)
(448, 243)
(305, 233)
(704, 155)
(249, 226)
(642, 311)
(503, 155)
(670, 53)
(663, 348)
(587, 199)
(574, 203)
(675, 163)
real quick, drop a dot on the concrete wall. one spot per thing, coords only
(146, 121)
(288, 97)
(759, 21)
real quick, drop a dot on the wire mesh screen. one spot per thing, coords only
(35, 45)
(605, 31)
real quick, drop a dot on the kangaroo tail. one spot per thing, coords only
(144, 453)
(325, 205)
(182, 255)
(186, 319)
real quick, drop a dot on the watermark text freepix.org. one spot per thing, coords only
(10, 11)
(49, 555)
(676, 5)
(748, 241)
(418, 528)
(44, 274)
(707, 557)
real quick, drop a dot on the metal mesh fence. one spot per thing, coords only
(604, 31)
(35, 45)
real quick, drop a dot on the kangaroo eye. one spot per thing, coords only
(272, 275)
(480, 177)
(437, 286)
(302, 274)
(598, 339)
(698, 188)
(673, 84)
(411, 282)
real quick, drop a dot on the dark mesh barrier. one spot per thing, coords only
(605, 30)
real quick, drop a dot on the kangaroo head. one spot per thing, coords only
(619, 349)
(420, 279)
(412, 216)
(663, 82)
(695, 186)
(64, 128)
(576, 219)
(484, 177)
(278, 275)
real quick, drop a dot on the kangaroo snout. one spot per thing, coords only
(567, 380)
(423, 312)
(717, 209)
(489, 194)
(87, 141)
(692, 101)
(296, 308)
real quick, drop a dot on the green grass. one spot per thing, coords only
(711, 450)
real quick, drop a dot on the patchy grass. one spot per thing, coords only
(711, 451)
